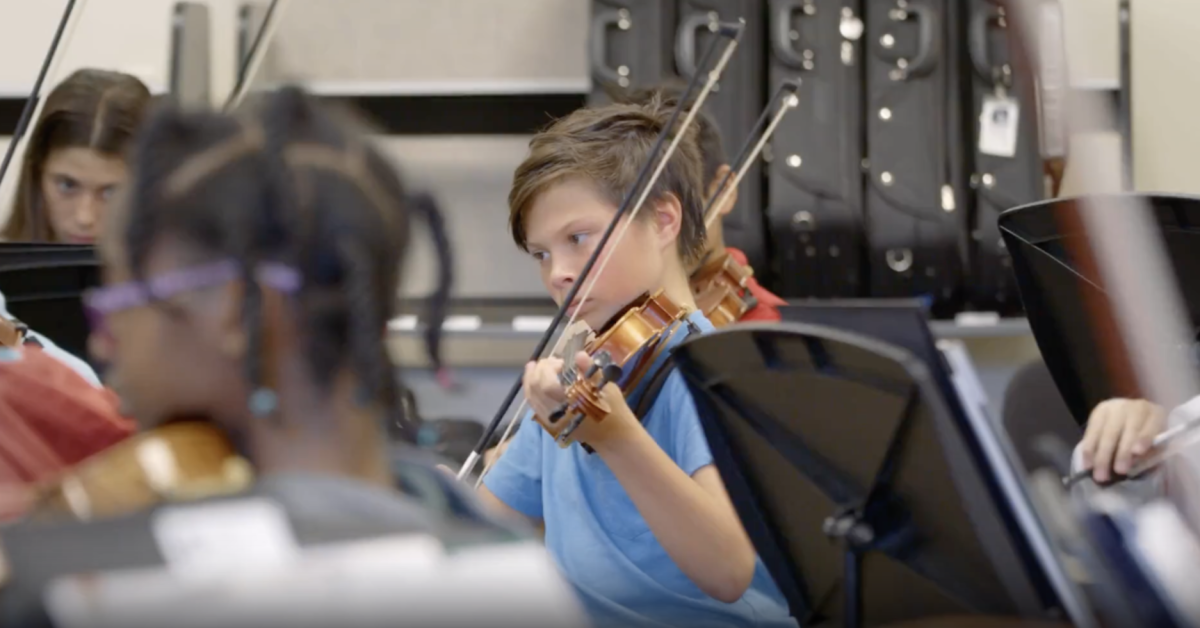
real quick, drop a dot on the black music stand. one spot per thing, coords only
(1056, 289)
(42, 285)
(853, 478)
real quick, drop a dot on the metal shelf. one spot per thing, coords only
(479, 340)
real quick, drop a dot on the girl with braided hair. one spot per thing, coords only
(249, 273)
(278, 241)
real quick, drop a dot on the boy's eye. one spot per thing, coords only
(107, 192)
(579, 238)
(539, 255)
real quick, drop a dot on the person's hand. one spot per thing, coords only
(617, 423)
(543, 390)
(545, 395)
(1119, 431)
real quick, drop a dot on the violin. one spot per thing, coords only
(180, 461)
(628, 343)
(719, 286)
(12, 333)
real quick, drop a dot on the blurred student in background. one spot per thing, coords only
(74, 163)
(75, 159)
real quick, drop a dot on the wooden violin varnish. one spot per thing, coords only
(179, 461)
(12, 334)
(719, 285)
(624, 349)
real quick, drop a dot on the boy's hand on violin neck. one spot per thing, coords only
(546, 394)
(615, 430)
(542, 388)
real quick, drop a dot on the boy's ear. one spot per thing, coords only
(668, 219)
(722, 171)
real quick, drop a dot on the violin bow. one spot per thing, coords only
(787, 97)
(1124, 247)
(254, 56)
(33, 105)
(629, 206)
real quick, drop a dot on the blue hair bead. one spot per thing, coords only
(263, 402)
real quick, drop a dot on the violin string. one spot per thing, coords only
(788, 104)
(693, 111)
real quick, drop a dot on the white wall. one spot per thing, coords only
(1166, 95)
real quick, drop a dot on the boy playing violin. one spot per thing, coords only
(715, 168)
(643, 527)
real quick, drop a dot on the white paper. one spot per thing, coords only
(209, 540)
(998, 123)
(407, 580)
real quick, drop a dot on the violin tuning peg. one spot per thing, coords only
(600, 361)
(611, 373)
(558, 414)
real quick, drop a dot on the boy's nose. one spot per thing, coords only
(561, 278)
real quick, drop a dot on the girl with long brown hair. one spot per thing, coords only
(74, 164)
(75, 160)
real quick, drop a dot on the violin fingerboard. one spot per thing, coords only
(574, 345)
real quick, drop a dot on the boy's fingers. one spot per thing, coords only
(1106, 447)
(1091, 435)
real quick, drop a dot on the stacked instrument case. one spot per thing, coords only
(815, 187)
(916, 179)
(735, 105)
(630, 45)
(917, 126)
(1007, 159)
(644, 43)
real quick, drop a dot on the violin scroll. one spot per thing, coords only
(720, 289)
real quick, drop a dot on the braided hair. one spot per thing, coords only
(292, 183)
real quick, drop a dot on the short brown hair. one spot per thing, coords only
(608, 146)
(94, 109)
(708, 134)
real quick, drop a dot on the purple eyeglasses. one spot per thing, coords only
(99, 303)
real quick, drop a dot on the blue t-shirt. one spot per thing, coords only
(600, 540)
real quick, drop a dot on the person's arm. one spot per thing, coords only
(513, 487)
(689, 512)
(692, 517)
